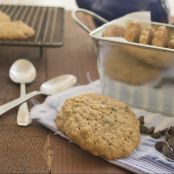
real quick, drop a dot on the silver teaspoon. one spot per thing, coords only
(22, 71)
(53, 86)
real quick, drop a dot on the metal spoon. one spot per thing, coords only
(23, 71)
(53, 86)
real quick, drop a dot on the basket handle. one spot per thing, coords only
(80, 10)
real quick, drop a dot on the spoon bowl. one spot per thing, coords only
(58, 84)
(22, 71)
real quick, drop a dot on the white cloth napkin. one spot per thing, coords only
(145, 159)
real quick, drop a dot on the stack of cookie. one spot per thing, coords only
(138, 65)
(134, 32)
(122, 66)
(101, 125)
(14, 30)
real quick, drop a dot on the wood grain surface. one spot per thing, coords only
(34, 149)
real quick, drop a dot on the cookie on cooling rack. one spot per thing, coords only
(16, 30)
(4, 17)
(101, 125)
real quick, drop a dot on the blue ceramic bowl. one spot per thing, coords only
(112, 9)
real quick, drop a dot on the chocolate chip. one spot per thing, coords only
(167, 136)
(171, 130)
(141, 119)
(127, 109)
(171, 142)
(159, 145)
(151, 130)
(156, 135)
(113, 109)
(143, 129)
(163, 132)
(168, 152)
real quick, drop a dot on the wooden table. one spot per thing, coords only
(34, 149)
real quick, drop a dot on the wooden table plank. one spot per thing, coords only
(21, 149)
(76, 57)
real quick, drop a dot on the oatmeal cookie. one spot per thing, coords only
(101, 125)
(121, 66)
(153, 58)
(133, 31)
(160, 37)
(15, 30)
(146, 36)
(4, 17)
(171, 42)
(114, 31)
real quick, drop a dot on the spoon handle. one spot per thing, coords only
(6, 107)
(23, 116)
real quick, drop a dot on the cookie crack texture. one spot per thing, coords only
(101, 125)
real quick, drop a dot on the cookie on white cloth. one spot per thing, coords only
(99, 124)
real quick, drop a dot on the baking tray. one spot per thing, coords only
(48, 22)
